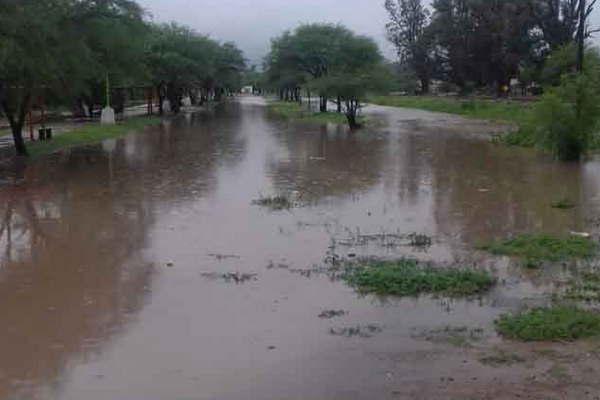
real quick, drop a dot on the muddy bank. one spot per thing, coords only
(141, 269)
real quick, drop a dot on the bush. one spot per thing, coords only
(566, 118)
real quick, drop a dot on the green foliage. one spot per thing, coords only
(538, 248)
(562, 62)
(567, 117)
(90, 134)
(409, 278)
(554, 323)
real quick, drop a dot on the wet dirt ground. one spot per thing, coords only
(139, 269)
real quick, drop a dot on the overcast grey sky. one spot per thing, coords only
(251, 23)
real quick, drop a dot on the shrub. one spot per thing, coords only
(565, 119)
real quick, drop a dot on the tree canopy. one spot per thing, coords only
(327, 58)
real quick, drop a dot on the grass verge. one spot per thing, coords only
(538, 248)
(409, 278)
(547, 324)
(295, 111)
(494, 110)
(90, 134)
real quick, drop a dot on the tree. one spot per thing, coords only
(358, 72)
(407, 30)
(182, 62)
(310, 51)
(56, 47)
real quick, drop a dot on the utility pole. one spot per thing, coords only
(581, 36)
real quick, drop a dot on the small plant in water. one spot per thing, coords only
(538, 248)
(586, 288)
(419, 240)
(356, 331)
(276, 203)
(553, 323)
(563, 204)
(410, 278)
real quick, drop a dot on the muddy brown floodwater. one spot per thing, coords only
(139, 269)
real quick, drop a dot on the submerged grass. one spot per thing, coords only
(538, 248)
(495, 110)
(586, 288)
(276, 203)
(553, 323)
(296, 111)
(410, 278)
(90, 134)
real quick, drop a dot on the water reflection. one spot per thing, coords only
(84, 235)
(73, 228)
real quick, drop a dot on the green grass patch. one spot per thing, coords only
(553, 323)
(538, 248)
(495, 110)
(296, 111)
(90, 134)
(410, 278)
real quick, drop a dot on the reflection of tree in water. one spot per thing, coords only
(482, 191)
(71, 269)
(331, 163)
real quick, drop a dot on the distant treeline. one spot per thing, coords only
(483, 43)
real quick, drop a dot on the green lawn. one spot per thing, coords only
(90, 134)
(494, 110)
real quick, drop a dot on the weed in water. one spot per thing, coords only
(276, 203)
(420, 240)
(366, 331)
(586, 288)
(329, 314)
(553, 323)
(501, 358)
(457, 336)
(538, 248)
(410, 278)
(563, 204)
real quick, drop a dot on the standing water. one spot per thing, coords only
(143, 269)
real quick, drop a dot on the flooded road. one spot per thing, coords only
(140, 269)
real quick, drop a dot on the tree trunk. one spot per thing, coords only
(17, 122)
(425, 86)
(323, 104)
(351, 111)
(339, 105)
(581, 36)
(17, 134)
